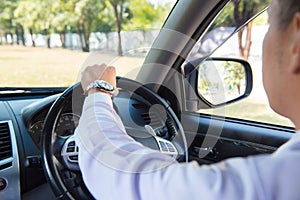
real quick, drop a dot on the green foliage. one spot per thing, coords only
(6, 15)
(234, 74)
(78, 16)
(33, 15)
(238, 12)
(41, 15)
(121, 11)
(215, 75)
(225, 18)
(245, 9)
(261, 20)
(105, 22)
(144, 15)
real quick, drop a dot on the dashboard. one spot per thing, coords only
(22, 171)
(65, 126)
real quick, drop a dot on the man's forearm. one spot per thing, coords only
(105, 146)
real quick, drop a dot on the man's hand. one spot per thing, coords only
(98, 72)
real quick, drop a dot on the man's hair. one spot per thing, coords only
(288, 8)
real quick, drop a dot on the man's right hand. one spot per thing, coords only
(98, 72)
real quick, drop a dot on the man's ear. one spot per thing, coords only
(295, 60)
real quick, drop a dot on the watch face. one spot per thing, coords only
(105, 85)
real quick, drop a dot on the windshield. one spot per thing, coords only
(47, 43)
(236, 17)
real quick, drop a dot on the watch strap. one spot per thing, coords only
(100, 85)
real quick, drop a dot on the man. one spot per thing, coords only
(114, 166)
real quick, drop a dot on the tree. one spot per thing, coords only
(28, 14)
(144, 15)
(140, 14)
(105, 24)
(237, 13)
(81, 16)
(234, 74)
(54, 16)
(20, 34)
(63, 18)
(243, 11)
(121, 12)
(7, 25)
(85, 17)
(45, 18)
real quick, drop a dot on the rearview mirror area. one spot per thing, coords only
(220, 81)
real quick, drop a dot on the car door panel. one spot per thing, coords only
(218, 138)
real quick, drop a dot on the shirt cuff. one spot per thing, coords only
(96, 98)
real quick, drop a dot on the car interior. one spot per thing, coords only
(161, 107)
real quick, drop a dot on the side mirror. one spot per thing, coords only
(220, 81)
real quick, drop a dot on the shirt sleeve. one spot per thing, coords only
(114, 166)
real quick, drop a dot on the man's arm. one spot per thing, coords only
(114, 166)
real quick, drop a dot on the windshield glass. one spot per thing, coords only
(236, 17)
(47, 43)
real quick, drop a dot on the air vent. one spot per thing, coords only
(5, 141)
(139, 105)
(150, 116)
(171, 127)
(154, 120)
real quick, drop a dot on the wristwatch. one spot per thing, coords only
(101, 85)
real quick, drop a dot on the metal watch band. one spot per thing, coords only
(100, 85)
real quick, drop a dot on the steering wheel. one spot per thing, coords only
(60, 154)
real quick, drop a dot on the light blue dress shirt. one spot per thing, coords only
(114, 166)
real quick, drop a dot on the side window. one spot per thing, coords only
(247, 46)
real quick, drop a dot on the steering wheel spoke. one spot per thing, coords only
(69, 154)
(167, 147)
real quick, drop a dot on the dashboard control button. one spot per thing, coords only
(170, 147)
(163, 146)
(3, 183)
(71, 149)
(74, 158)
(71, 144)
